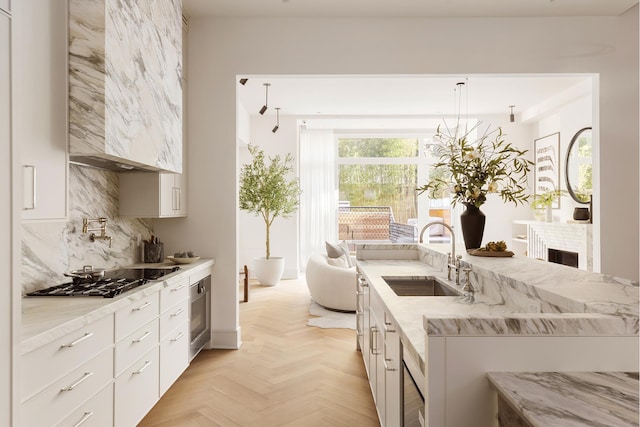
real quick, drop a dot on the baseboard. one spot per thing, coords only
(229, 339)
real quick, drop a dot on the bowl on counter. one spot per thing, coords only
(188, 260)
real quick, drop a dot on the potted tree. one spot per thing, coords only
(266, 191)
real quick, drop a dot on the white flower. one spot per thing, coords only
(493, 187)
(476, 193)
(471, 155)
(455, 188)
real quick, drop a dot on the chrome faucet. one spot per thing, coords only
(468, 289)
(453, 261)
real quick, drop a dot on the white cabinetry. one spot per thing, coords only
(381, 348)
(40, 106)
(136, 389)
(174, 333)
(66, 373)
(150, 195)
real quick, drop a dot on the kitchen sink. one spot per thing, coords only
(419, 286)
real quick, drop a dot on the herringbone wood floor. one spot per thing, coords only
(285, 373)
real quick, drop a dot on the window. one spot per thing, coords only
(377, 180)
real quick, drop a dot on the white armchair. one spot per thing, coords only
(331, 287)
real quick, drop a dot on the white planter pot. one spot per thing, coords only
(268, 271)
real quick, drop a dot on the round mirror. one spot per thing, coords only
(579, 166)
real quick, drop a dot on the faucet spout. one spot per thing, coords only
(453, 261)
(450, 228)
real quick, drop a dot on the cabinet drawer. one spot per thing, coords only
(174, 356)
(44, 365)
(136, 389)
(134, 345)
(96, 412)
(174, 317)
(173, 294)
(139, 313)
(58, 400)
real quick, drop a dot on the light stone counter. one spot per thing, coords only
(517, 296)
(45, 319)
(569, 398)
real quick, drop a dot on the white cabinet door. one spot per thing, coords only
(152, 195)
(96, 412)
(174, 356)
(40, 105)
(136, 389)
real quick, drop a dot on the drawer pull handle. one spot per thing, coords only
(84, 419)
(145, 366)
(78, 341)
(33, 187)
(143, 306)
(359, 294)
(178, 288)
(142, 338)
(77, 383)
(177, 313)
(386, 329)
(386, 367)
(180, 335)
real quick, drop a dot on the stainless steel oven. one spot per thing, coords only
(412, 398)
(200, 294)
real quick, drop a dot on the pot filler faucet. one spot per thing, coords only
(453, 261)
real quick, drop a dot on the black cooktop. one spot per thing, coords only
(115, 282)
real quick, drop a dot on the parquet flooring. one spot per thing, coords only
(285, 374)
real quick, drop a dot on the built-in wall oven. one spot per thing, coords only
(412, 397)
(200, 294)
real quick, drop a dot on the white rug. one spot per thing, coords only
(330, 319)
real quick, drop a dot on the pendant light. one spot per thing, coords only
(512, 117)
(266, 97)
(277, 126)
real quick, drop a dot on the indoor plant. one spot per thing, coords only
(471, 170)
(265, 191)
(542, 203)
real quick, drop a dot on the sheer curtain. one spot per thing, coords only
(319, 199)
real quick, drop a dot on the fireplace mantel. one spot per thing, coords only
(571, 237)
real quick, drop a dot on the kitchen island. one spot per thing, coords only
(529, 315)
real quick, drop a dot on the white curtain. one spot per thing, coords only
(319, 199)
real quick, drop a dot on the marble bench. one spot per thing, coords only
(532, 399)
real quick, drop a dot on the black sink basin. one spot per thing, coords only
(419, 286)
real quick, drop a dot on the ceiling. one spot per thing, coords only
(401, 95)
(405, 8)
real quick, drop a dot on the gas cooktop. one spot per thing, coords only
(115, 282)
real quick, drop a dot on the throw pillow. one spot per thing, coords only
(345, 248)
(334, 251)
(341, 261)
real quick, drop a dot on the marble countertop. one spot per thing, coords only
(518, 296)
(571, 398)
(444, 315)
(45, 319)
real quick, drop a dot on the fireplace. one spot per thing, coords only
(563, 257)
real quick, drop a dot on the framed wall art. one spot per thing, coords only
(547, 165)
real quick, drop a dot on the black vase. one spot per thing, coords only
(472, 221)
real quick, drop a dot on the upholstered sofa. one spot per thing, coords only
(330, 286)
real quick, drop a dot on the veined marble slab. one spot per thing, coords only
(562, 399)
(45, 319)
(442, 316)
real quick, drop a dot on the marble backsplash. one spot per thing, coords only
(51, 248)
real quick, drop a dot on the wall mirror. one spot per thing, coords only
(579, 166)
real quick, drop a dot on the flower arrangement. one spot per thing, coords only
(545, 200)
(472, 169)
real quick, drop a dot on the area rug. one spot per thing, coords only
(330, 319)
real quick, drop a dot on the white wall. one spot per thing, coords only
(222, 48)
(284, 231)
